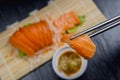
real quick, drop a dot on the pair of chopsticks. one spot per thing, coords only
(111, 23)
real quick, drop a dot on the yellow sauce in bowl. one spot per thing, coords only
(69, 63)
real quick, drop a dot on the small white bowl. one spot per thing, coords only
(56, 56)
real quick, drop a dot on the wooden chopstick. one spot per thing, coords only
(111, 23)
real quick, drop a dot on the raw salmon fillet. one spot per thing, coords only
(66, 21)
(83, 45)
(33, 37)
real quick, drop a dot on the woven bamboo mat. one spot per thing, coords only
(12, 67)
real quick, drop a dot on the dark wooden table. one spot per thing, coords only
(105, 65)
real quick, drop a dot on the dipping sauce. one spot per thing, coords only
(69, 63)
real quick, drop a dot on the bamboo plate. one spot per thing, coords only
(13, 67)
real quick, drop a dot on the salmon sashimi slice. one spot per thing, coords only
(27, 40)
(22, 38)
(83, 45)
(32, 38)
(41, 41)
(29, 37)
(21, 46)
(36, 36)
(66, 21)
(48, 32)
(41, 35)
(44, 34)
(33, 35)
(42, 29)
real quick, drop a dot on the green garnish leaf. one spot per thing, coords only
(79, 25)
(82, 18)
(72, 30)
(21, 54)
(27, 24)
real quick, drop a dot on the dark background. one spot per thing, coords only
(103, 66)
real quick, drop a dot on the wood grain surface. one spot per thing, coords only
(13, 67)
(104, 66)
